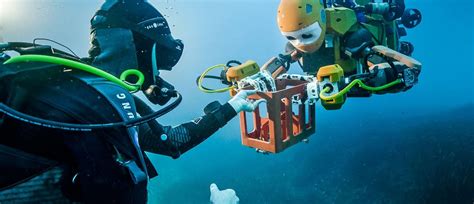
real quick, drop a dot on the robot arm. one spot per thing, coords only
(388, 71)
(386, 65)
(281, 64)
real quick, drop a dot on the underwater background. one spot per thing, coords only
(412, 147)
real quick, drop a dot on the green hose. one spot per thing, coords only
(84, 67)
(361, 85)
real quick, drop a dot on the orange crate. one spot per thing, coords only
(278, 130)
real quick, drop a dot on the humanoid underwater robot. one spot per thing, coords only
(346, 49)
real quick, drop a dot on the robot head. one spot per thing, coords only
(303, 23)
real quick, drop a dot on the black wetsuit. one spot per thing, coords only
(96, 166)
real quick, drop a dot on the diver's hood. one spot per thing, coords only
(116, 50)
(141, 18)
(131, 34)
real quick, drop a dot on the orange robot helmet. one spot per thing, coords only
(303, 23)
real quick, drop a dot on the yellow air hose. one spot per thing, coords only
(203, 75)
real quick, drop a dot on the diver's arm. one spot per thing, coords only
(174, 141)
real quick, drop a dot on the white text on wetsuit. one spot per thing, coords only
(126, 105)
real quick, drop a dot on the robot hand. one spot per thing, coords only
(405, 67)
(240, 102)
(410, 76)
(312, 90)
(227, 196)
(262, 81)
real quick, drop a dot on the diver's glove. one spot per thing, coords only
(227, 196)
(240, 102)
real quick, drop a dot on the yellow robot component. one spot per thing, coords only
(303, 23)
(239, 72)
(329, 77)
(232, 75)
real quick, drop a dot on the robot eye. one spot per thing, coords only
(290, 38)
(307, 36)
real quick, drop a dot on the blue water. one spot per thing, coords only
(413, 147)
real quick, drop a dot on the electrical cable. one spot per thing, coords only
(361, 85)
(87, 127)
(385, 58)
(19, 47)
(60, 44)
(209, 77)
(204, 74)
(229, 63)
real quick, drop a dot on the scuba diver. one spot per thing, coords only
(73, 132)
